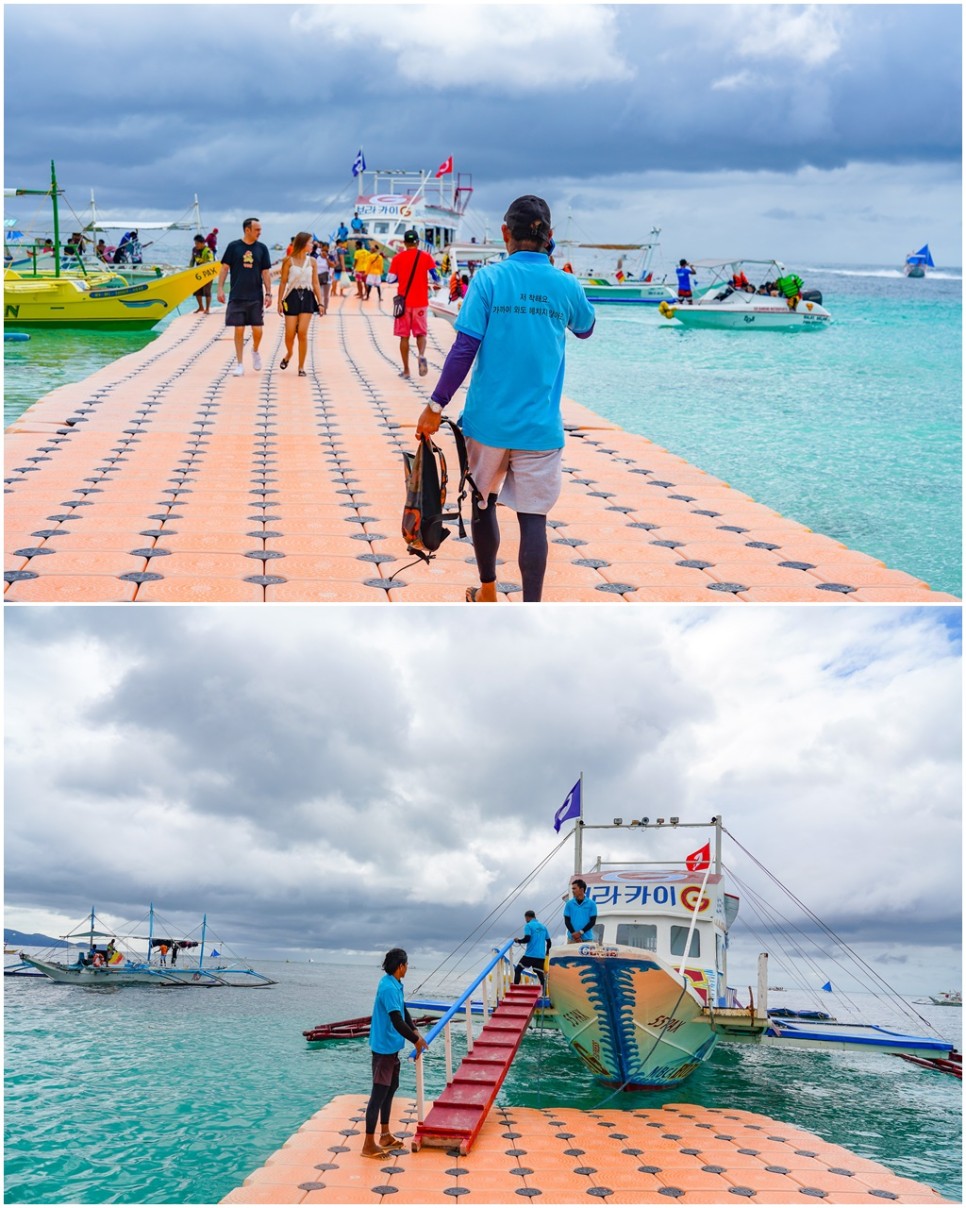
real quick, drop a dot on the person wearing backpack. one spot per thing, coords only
(512, 330)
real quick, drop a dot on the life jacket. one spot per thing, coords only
(791, 285)
(427, 478)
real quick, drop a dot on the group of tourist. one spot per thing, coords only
(511, 331)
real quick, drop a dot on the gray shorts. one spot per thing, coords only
(525, 480)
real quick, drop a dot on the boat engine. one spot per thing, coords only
(812, 295)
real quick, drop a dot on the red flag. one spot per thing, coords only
(700, 859)
(445, 166)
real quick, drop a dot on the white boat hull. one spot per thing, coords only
(627, 293)
(631, 1019)
(119, 975)
(749, 312)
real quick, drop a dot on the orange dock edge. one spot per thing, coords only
(679, 1153)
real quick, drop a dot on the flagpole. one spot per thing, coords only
(579, 832)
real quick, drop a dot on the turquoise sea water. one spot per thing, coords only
(142, 1095)
(854, 430)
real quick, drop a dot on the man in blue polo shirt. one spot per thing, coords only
(580, 914)
(537, 939)
(512, 329)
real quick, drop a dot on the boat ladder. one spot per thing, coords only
(459, 1112)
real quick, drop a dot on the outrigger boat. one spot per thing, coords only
(101, 300)
(755, 309)
(106, 959)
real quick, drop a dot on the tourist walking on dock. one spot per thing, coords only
(374, 273)
(580, 914)
(390, 1029)
(513, 324)
(323, 260)
(201, 253)
(537, 939)
(411, 269)
(360, 267)
(249, 263)
(299, 297)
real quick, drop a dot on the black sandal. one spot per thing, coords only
(302, 373)
(283, 363)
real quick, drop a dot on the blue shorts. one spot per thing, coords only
(245, 313)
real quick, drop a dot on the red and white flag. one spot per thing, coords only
(445, 167)
(700, 859)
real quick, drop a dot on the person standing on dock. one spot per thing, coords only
(415, 269)
(389, 1030)
(201, 253)
(513, 323)
(537, 939)
(249, 263)
(299, 298)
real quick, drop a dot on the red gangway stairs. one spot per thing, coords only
(457, 1116)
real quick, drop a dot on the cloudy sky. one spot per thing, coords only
(815, 133)
(339, 780)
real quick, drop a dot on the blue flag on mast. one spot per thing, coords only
(569, 809)
(359, 163)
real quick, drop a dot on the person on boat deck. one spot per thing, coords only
(567, 267)
(389, 1030)
(357, 223)
(174, 954)
(342, 233)
(299, 298)
(685, 272)
(100, 251)
(163, 949)
(212, 240)
(249, 262)
(537, 939)
(201, 253)
(411, 269)
(790, 287)
(513, 324)
(740, 281)
(580, 914)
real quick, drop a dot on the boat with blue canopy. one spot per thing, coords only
(917, 262)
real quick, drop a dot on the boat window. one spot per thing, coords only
(679, 937)
(638, 935)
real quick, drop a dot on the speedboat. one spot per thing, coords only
(756, 307)
(947, 998)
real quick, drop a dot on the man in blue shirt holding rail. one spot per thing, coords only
(537, 939)
(513, 325)
(390, 1028)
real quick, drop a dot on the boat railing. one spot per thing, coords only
(493, 981)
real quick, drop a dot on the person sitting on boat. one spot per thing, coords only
(100, 251)
(391, 1027)
(537, 939)
(685, 272)
(568, 267)
(790, 287)
(740, 281)
(455, 290)
(580, 914)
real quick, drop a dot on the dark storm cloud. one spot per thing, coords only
(264, 106)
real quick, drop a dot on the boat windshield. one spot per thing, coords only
(638, 935)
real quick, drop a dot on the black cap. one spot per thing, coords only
(411, 236)
(528, 218)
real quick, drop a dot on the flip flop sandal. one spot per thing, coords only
(423, 366)
(302, 373)
(283, 363)
(471, 594)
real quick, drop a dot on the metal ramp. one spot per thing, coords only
(457, 1116)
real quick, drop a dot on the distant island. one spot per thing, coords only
(19, 939)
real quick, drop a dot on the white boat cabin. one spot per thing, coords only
(667, 915)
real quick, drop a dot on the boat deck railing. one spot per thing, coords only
(492, 982)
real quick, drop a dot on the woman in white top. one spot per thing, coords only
(299, 297)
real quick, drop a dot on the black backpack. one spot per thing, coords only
(423, 527)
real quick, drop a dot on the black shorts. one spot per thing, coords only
(385, 1069)
(244, 313)
(300, 302)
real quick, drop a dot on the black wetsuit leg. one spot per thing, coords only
(485, 532)
(533, 554)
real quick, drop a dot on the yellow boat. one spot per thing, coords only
(98, 300)
(102, 300)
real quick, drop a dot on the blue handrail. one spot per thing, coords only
(460, 1002)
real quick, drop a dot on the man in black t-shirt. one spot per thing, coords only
(249, 263)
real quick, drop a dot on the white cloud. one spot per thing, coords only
(809, 35)
(522, 48)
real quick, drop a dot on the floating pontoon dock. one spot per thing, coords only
(674, 1154)
(164, 478)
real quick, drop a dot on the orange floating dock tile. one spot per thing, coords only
(167, 444)
(679, 1153)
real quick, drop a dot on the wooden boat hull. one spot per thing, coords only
(118, 975)
(632, 1020)
(31, 302)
